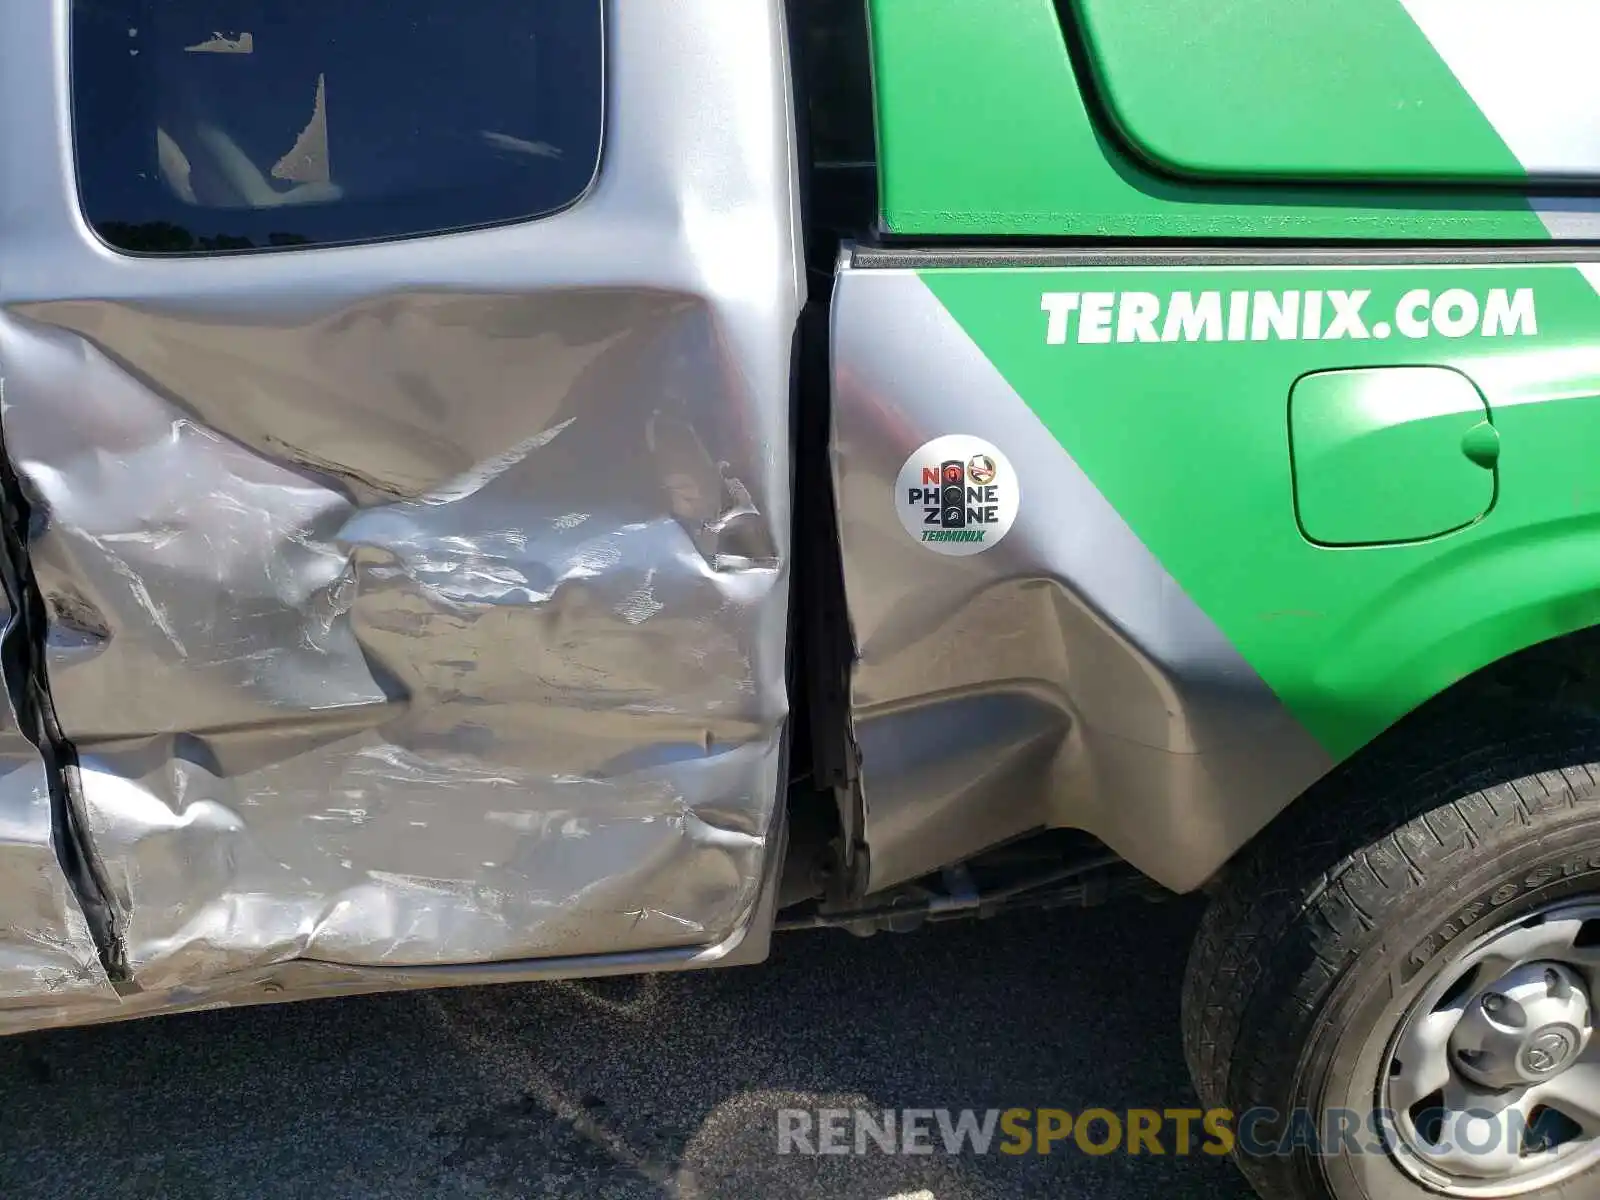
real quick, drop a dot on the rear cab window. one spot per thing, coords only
(205, 126)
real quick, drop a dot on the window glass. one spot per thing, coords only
(215, 125)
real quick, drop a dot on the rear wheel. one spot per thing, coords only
(1396, 990)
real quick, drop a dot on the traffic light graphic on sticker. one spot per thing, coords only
(953, 495)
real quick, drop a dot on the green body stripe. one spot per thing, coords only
(1177, 409)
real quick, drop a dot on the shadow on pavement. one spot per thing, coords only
(649, 1087)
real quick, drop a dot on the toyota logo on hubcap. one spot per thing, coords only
(1547, 1051)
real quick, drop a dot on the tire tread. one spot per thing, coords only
(1285, 923)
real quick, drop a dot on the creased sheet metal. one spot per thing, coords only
(48, 961)
(497, 699)
(47, 958)
(427, 603)
(1062, 679)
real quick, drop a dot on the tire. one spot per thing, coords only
(1327, 929)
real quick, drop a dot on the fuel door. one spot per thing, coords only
(1386, 455)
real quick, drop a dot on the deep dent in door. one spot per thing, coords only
(49, 959)
(425, 604)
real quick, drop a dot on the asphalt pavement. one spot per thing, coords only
(658, 1086)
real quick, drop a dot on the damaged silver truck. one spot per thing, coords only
(498, 491)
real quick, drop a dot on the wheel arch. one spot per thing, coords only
(1530, 685)
(1436, 628)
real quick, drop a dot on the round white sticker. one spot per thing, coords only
(957, 495)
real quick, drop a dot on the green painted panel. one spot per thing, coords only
(1169, 386)
(1295, 89)
(1389, 454)
(982, 131)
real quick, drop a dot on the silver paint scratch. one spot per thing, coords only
(422, 605)
(48, 960)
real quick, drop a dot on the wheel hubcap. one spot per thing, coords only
(1524, 1027)
(1492, 1085)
